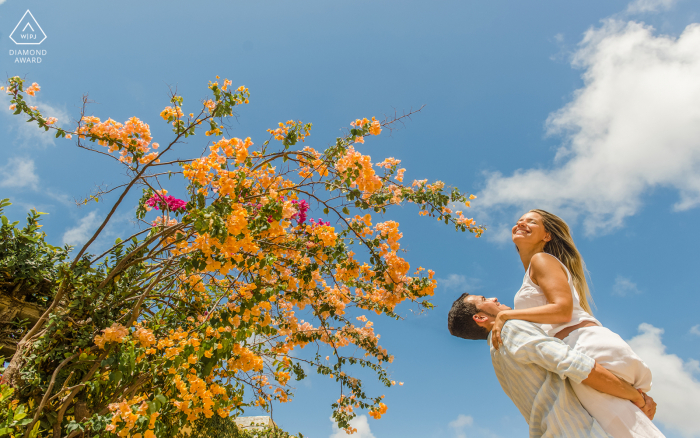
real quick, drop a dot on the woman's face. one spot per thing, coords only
(530, 230)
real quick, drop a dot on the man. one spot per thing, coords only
(536, 371)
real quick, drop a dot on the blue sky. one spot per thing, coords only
(588, 109)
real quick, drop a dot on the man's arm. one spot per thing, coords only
(527, 343)
(606, 382)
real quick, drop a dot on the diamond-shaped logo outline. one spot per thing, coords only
(37, 25)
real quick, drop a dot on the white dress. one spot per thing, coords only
(620, 420)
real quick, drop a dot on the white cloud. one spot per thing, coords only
(80, 234)
(29, 134)
(633, 127)
(695, 330)
(676, 390)
(360, 423)
(638, 6)
(459, 425)
(459, 283)
(19, 173)
(624, 286)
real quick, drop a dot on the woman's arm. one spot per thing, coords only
(606, 382)
(548, 274)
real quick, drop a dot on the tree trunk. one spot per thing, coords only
(11, 309)
(11, 375)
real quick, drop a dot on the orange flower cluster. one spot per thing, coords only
(389, 162)
(197, 398)
(244, 360)
(162, 221)
(306, 163)
(326, 234)
(354, 162)
(115, 333)
(32, 89)
(375, 128)
(377, 413)
(281, 132)
(200, 170)
(127, 413)
(144, 337)
(170, 113)
(463, 220)
(132, 138)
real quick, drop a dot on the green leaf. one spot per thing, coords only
(35, 430)
(161, 399)
(18, 416)
(115, 376)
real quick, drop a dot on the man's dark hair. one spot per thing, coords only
(460, 320)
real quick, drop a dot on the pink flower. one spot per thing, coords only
(12, 107)
(320, 223)
(171, 203)
(303, 207)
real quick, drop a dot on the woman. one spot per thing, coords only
(555, 295)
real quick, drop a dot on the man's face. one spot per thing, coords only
(490, 306)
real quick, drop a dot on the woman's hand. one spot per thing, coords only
(649, 407)
(501, 319)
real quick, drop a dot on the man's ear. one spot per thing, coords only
(480, 318)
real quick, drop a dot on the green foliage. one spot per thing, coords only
(13, 415)
(28, 265)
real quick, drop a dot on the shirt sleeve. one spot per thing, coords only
(526, 343)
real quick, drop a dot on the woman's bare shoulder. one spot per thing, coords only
(543, 262)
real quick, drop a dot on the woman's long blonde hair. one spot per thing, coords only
(562, 247)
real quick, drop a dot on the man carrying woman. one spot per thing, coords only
(552, 304)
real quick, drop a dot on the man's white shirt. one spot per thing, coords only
(532, 369)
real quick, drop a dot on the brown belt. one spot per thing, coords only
(567, 331)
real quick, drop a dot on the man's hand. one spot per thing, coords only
(501, 319)
(649, 407)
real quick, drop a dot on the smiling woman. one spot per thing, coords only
(554, 290)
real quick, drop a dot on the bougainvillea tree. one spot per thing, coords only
(199, 314)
